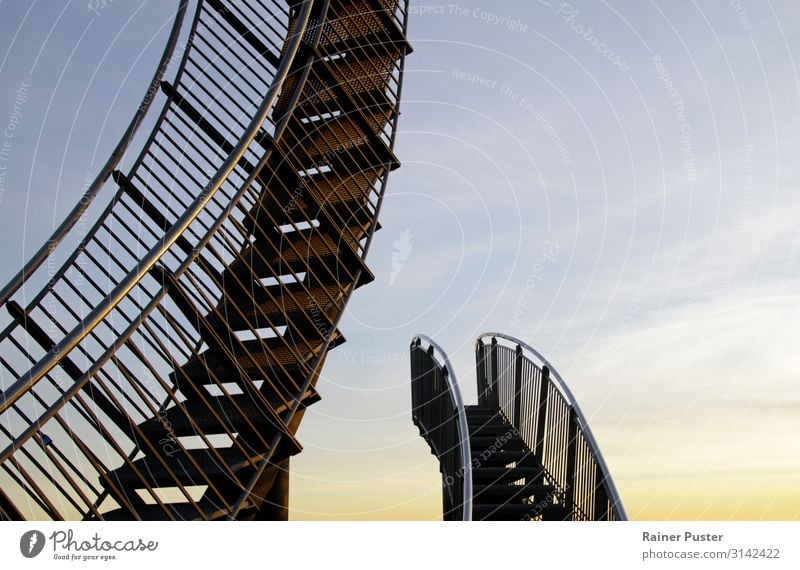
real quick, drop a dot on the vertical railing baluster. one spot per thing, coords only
(494, 400)
(541, 414)
(600, 495)
(572, 452)
(483, 384)
(517, 420)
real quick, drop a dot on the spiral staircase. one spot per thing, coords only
(157, 354)
(524, 452)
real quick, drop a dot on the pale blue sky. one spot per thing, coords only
(632, 214)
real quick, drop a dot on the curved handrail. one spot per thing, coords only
(79, 332)
(116, 155)
(458, 402)
(561, 385)
(131, 389)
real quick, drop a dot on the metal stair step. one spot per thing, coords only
(278, 305)
(283, 199)
(282, 206)
(477, 408)
(360, 82)
(180, 512)
(556, 513)
(343, 146)
(510, 493)
(365, 43)
(357, 21)
(330, 253)
(180, 468)
(498, 458)
(496, 430)
(336, 84)
(493, 475)
(337, 129)
(234, 413)
(357, 188)
(270, 357)
(330, 98)
(483, 442)
(358, 75)
(516, 512)
(481, 415)
(338, 224)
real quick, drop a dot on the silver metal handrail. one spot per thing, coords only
(458, 403)
(117, 154)
(584, 425)
(96, 316)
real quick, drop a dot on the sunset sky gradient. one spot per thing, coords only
(615, 182)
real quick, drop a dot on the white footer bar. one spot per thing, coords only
(309, 545)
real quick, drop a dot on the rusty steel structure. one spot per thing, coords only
(157, 358)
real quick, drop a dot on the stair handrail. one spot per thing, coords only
(562, 387)
(117, 154)
(458, 403)
(80, 331)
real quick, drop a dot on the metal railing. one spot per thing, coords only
(155, 285)
(100, 180)
(523, 385)
(104, 295)
(438, 412)
(145, 263)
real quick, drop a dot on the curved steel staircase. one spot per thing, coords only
(157, 364)
(524, 452)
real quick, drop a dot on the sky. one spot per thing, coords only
(614, 182)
